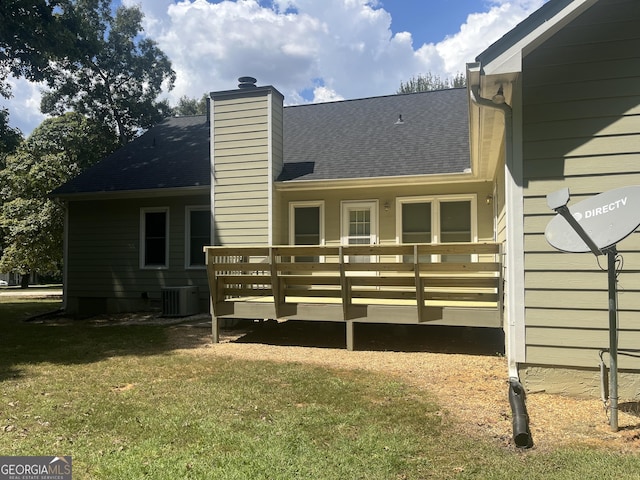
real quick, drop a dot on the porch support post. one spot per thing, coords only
(350, 329)
(345, 287)
(275, 283)
(419, 286)
(215, 329)
(216, 295)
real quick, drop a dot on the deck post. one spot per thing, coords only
(215, 294)
(419, 286)
(215, 324)
(350, 328)
(275, 282)
(345, 287)
(215, 329)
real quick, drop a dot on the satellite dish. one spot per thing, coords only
(607, 218)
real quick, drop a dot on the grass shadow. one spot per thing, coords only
(632, 408)
(66, 341)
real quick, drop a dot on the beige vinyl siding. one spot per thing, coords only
(387, 220)
(581, 94)
(277, 162)
(241, 129)
(277, 140)
(104, 256)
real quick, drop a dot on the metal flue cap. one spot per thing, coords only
(247, 82)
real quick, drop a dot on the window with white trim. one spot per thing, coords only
(437, 220)
(154, 237)
(306, 225)
(197, 235)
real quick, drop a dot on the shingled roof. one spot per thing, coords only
(364, 138)
(172, 154)
(336, 140)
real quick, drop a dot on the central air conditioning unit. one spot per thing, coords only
(179, 301)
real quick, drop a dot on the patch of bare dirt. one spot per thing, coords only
(471, 387)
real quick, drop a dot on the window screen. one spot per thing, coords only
(155, 238)
(199, 234)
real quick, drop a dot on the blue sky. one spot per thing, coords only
(311, 50)
(431, 20)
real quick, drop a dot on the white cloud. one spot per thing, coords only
(480, 31)
(346, 44)
(24, 106)
(324, 94)
(310, 50)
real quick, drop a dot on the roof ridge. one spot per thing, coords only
(373, 97)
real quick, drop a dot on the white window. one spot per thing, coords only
(437, 220)
(197, 235)
(306, 226)
(154, 238)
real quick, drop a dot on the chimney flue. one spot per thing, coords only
(247, 82)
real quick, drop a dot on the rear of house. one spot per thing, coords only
(380, 171)
(371, 193)
(375, 172)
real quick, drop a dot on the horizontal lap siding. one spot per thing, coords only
(581, 110)
(241, 170)
(104, 250)
(386, 217)
(277, 162)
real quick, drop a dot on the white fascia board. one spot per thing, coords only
(127, 194)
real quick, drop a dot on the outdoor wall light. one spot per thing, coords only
(386, 205)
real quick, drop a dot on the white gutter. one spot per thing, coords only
(368, 182)
(514, 240)
(129, 194)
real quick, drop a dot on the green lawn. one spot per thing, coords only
(125, 406)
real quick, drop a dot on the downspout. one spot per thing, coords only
(508, 127)
(520, 419)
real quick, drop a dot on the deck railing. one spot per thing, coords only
(426, 277)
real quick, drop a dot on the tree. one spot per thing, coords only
(429, 82)
(10, 137)
(56, 151)
(191, 106)
(33, 32)
(114, 75)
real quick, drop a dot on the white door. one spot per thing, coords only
(360, 226)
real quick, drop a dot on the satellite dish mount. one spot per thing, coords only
(597, 224)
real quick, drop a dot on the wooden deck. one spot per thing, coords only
(444, 284)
